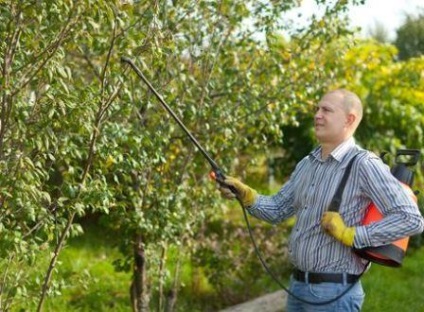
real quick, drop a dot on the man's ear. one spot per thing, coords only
(350, 120)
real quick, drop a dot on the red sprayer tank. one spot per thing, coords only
(392, 254)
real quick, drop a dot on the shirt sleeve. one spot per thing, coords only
(402, 217)
(274, 208)
(278, 207)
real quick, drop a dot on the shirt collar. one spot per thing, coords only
(338, 153)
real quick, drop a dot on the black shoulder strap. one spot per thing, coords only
(337, 199)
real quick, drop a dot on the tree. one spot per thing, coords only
(379, 32)
(410, 37)
(80, 134)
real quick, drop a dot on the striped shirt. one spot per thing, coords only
(308, 193)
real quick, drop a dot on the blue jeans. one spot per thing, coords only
(350, 302)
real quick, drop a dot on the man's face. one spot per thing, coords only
(331, 119)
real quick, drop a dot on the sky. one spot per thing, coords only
(389, 13)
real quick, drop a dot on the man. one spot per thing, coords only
(321, 241)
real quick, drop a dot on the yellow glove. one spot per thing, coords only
(334, 225)
(245, 194)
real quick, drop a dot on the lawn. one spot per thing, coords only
(96, 285)
(396, 289)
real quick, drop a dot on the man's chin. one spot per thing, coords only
(318, 134)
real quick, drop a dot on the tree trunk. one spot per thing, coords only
(171, 297)
(161, 277)
(140, 296)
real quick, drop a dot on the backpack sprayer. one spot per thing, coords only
(392, 254)
(373, 254)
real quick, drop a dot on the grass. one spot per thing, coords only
(396, 289)
(85, 279)
(97, 286)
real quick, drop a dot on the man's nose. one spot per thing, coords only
(318, 114)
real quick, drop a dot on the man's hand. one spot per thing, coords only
(246, 194)
(334, 225)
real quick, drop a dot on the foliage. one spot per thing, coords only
(393, 97)
(231, 264)
(86, 277)
(410, 38)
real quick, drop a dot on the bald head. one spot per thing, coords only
(351, 103)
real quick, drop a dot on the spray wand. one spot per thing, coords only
(217, 173)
